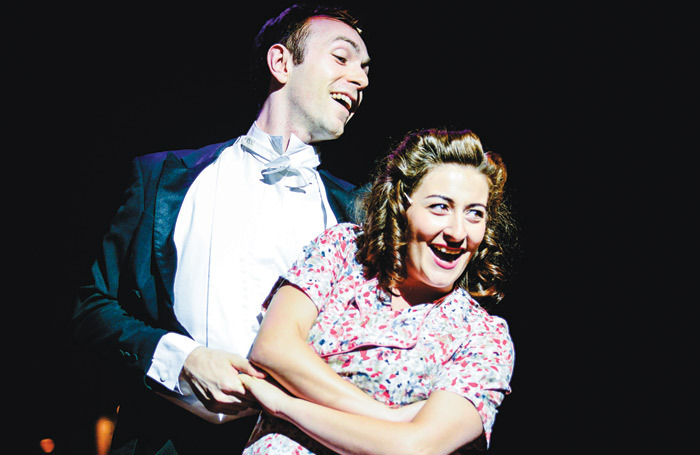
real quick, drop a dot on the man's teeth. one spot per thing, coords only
(344, 99)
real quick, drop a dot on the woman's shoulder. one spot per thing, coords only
(473, 312)
(342, 232)
(338, 242)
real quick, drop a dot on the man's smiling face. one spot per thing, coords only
(325, 89)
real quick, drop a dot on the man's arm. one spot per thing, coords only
(112, 318)
(204, 381)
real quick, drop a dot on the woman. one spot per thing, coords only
(375, 330)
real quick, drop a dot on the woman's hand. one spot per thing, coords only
(271, 396)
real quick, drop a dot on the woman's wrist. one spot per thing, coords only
(289, 407)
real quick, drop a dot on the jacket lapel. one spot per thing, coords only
(177, 176)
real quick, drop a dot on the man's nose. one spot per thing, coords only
(359, 77)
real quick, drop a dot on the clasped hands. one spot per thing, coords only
(229, 384)
(214, 376)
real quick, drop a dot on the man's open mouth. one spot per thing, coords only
(344, 100)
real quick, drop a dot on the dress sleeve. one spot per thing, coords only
(323, 262)
(481, 369)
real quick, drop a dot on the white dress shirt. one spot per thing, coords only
(242, 224)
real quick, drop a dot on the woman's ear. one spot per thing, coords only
(278, 59)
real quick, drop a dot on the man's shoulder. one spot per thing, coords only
(337, 182)
(190, 155)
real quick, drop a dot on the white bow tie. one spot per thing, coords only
(294, 170)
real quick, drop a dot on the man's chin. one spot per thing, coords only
(331, 133)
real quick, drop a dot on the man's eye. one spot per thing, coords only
(341, 59)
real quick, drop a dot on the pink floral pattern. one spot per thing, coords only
(398, 357)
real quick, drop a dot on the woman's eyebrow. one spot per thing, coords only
(451, 201)
(446, 198)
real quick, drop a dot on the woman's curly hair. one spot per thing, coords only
(382, 245)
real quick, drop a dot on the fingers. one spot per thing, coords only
(231, 397)
(243, 366)
(252, 384)
(248, 369)
(271, 397)
(248, 382)
(214, 376)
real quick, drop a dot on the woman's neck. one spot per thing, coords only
(405, 296)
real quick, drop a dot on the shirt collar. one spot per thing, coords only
(275, 143)
(295, 167)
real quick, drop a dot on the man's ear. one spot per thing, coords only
(278, 61)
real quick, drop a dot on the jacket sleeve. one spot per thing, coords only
(115, 311)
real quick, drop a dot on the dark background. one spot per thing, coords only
(118, 83)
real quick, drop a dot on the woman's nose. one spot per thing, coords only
(456, 230)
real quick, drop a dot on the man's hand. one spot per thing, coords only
(212, 375)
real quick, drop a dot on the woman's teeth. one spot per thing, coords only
(448, 254)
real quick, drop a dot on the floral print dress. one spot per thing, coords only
(398, 357)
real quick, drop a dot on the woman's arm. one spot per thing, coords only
(281, 349)
(446, 422)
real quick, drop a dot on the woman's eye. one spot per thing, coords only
(475, 215)
(439, 208)
(341, 59)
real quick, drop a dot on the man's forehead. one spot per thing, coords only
(331, 30)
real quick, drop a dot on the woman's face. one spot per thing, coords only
(446, 224)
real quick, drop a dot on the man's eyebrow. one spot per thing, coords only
(354, 44)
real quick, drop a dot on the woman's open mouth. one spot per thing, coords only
(447, 257)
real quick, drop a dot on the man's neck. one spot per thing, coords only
(275, 123)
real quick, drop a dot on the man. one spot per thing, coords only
(203, 235)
